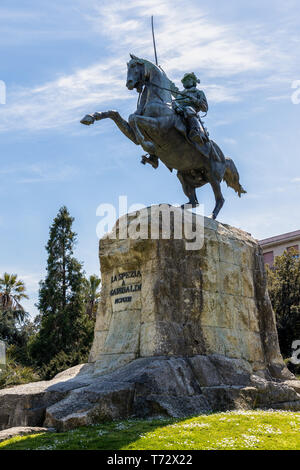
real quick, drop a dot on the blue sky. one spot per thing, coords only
(61, 60)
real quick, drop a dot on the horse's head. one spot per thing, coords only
(137, 73)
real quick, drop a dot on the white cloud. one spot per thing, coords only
(62, 101)
(17, 15)
(279, 98)
(188, 38)
(230, 141)
(41, 172)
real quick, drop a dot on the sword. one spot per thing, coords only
(153, 37)
(168, 89)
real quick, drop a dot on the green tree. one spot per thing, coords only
(92, 295)
(18, 349)
(12, 313)
(64, 327)
(8, 328)
(12, 292)
(16, 373)
(284, 290)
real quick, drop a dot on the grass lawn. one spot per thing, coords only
(231, 430)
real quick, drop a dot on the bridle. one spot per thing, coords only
(147, 84)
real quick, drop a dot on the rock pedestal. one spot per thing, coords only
(180, 331)
(160, 299)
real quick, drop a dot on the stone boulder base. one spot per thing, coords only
(179, 332)
(170, 386)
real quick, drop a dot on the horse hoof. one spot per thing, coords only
(87, 120)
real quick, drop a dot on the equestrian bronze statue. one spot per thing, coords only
(168, 127)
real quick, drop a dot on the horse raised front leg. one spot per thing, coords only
(136, 122)
(123, 125)
(91, 118)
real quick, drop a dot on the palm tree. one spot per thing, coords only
(12, 291)
(92, 295)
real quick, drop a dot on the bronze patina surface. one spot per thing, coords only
(171, 130)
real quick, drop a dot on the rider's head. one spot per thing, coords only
(189, 80)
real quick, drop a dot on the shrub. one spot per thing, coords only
(15, 374)
(61, 362)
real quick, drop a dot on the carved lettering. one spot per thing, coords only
(126, 275)
(125, 289)
(123, 299)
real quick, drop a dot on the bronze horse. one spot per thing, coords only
(161, 132)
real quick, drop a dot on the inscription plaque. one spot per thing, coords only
(128, 282)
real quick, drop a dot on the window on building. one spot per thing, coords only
(269, 258)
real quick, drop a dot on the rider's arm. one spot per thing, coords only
(198, 98)
(203, 105)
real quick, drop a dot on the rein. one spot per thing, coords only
(147, 84)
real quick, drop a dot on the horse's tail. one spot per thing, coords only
(232, 177)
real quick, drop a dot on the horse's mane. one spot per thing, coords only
(148, 64)
(149, 68)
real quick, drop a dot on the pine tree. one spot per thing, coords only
(65, 331)
(284, 290)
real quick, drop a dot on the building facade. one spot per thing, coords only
(275, 246)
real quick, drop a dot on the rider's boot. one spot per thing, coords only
(196, 134)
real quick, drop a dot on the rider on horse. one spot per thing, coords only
(167, 136)
(188, 103)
